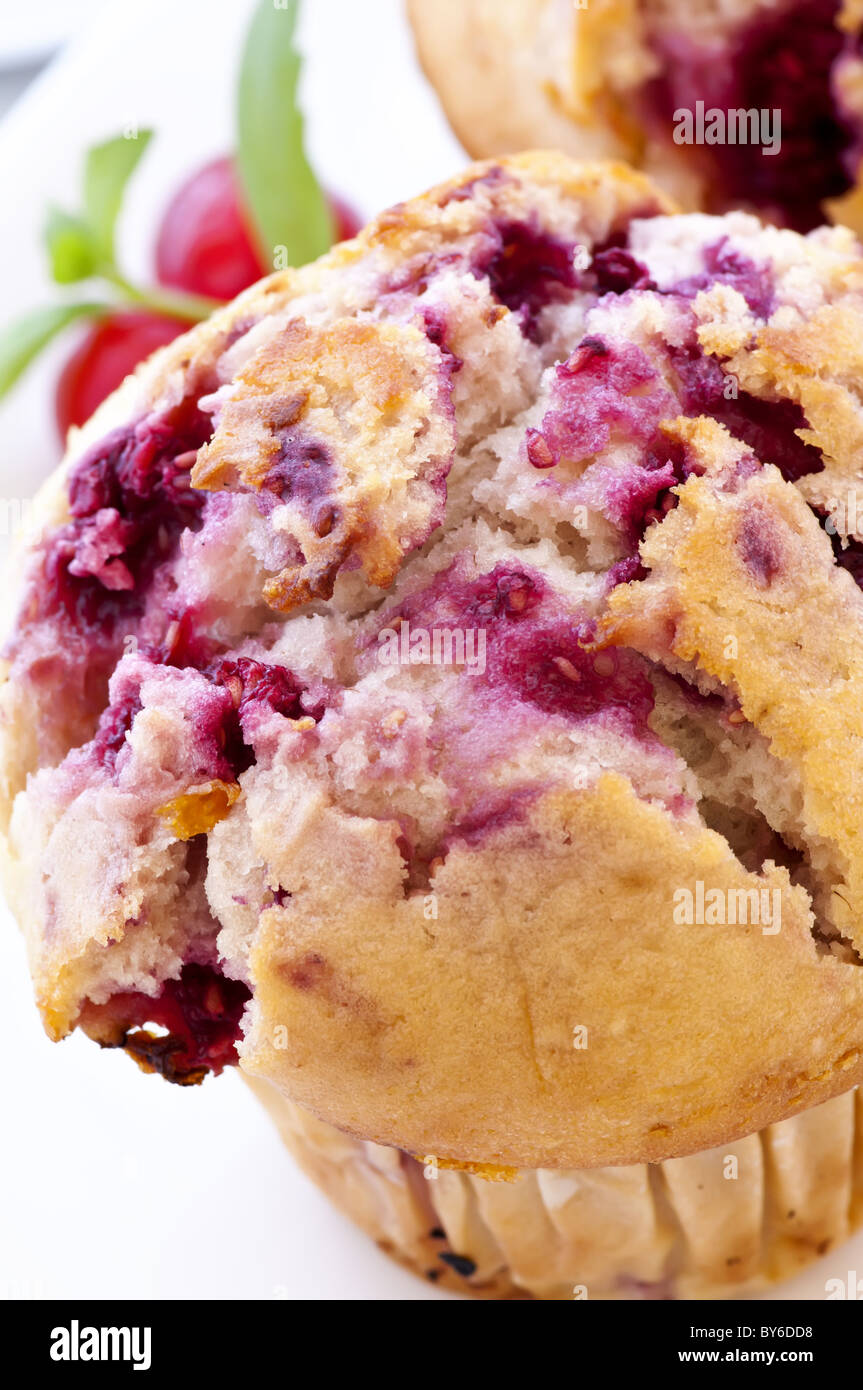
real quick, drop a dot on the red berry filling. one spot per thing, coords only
(535, 651)
(601, 392)
(725, 266)
(302, 472)
(767, 427)
(782, 59)
(130, 498)
(599, 389)
(550, 667)
(616, 270)
(233, 693)
(612, 391)
(527, 270)
(114, 725)
(201, 1013)
(255, 688)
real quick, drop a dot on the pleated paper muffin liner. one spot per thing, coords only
(727, 1222)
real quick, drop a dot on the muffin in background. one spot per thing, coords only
(615, 79)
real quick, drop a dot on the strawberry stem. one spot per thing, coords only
(191, 307)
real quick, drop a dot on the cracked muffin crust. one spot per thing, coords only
(607, 79)
(393, 649)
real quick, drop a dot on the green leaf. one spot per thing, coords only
(71, 250)
(285, 200)
(106, 172)
(25, 337)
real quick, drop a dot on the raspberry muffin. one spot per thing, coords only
(436, 685)
(607, 79)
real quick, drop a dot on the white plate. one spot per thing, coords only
(114, 1184)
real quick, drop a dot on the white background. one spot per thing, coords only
(112, 1183)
